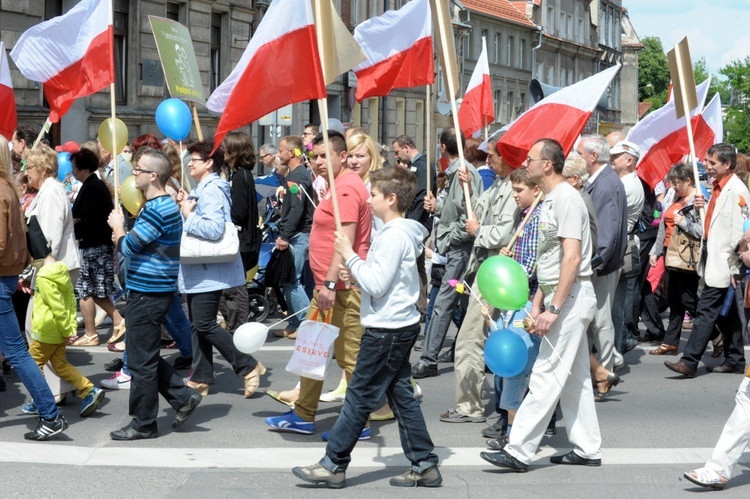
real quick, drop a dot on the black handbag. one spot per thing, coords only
(36, 241)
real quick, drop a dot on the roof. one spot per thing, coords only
(502, 9)
(643, 108)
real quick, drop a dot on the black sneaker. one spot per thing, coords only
(428, 478)
(47, 429)
(114, 366)
(496, 430)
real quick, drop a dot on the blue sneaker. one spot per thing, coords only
(365, 435)
(91, 401)
(289, 421)
(30, 408)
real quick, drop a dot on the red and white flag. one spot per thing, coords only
(398, 46)
(477, 109)
(8, 121)
(708, 127)
(561, 116)
(280, 66)
(72, 54)
(662, 138)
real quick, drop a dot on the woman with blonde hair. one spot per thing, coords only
(364, 156)
(6, 163)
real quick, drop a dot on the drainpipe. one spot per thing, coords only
(540, 31)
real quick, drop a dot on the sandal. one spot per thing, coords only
(86, 341)
(252, 379)
(118, 347)
(73, 339)
(718, 348)
(117, 333)
(612, 380)
(201, 388)
(706, 477)
(664, 349)
(277, 396)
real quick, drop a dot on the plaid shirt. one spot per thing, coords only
(524, 251)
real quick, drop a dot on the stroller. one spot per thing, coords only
(261, 299)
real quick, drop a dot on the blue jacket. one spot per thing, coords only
(207, 221)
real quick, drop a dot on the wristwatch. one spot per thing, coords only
(553, 309)
(330, 285)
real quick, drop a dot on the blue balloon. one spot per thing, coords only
(746, 226)
(505, 353)
(64, 166)
(174, 119)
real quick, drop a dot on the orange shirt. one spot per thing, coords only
(669, 224)
(718, 186)
(352, 196)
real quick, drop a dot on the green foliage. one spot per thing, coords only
(653, 72)
(737, 121)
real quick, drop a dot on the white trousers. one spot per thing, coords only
(735, 435)
(550, 381)
(601, 333)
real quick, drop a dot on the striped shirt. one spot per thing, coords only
(152, 247)
(525, 249)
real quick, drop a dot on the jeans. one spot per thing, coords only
(207, 334)
(457, 312)
(152, 375)
(14, 348)
(683, 297)
(382, 368)
(294, 292)
(178, 326)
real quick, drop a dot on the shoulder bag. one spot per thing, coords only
(195, 249)
(683, 251)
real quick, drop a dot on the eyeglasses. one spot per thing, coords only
(196, 160)
(307, 133)
(266, 155)
(138, 171)
(530, 160)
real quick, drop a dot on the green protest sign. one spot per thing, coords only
(177, 59)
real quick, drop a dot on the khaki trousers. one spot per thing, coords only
(345, 316)
(55, 355)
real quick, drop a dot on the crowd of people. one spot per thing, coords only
(603, 252)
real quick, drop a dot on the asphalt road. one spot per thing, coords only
(654, 427)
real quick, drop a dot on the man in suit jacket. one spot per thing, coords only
(722, 232)
(608, 194)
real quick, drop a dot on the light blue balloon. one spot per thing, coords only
(505, 353)
(64, 165)
(746, 226)
(174, 119)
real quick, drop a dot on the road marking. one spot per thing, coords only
(364, 456)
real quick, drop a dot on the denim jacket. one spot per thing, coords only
(207, 221)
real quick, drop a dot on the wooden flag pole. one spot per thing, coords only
(323, 111)
(45, 129)
(197, 121)
(428, 135)
(112, 128)
(524, 221)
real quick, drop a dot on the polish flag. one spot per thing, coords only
(708, 127)
(662, 138)
(8, 121)
(398, 46)
(280, 66)
(72, 54)
(477, 109)
(561, 116)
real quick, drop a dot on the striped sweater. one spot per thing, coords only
(152, 247)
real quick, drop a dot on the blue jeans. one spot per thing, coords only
(294, 292)
(14, 348)
(457, 312)
(178, 326)
(382, 368)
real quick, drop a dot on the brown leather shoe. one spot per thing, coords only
(285, 333)
(724, 368)
(664, 349)
(680, 368)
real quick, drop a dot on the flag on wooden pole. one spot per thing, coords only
(8, 120)
(477, 109)
(339, 50)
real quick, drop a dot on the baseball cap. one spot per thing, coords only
(626, 147)
(70, 146)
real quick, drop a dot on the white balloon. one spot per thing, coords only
(248, 338)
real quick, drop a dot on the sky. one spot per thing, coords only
(718, 30)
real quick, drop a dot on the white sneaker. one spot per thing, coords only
(336, 395)
(417, 390)
(118, 381)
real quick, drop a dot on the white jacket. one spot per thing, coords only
(52, 209)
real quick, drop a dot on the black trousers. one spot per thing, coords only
(152, 375)
(683, 296)
(706, 317)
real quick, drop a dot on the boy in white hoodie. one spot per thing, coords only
(390, 289)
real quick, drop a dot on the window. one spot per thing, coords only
(121, 51)
(485, 35)
(562, 27)
(496, 48)
(522, 54)
(419, 136)
(400, 116)
(522, 103)
(551, 20)
(173, 11)
(509, 111)
(214, 74)
(581, 32)
(551, 75)
(498, 106)
(509, 47)
(372, 107)
(359, 12)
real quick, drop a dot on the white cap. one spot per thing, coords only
(626, 147)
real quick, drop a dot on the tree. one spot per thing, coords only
(700, 70)
(737, 121)
(653, 72)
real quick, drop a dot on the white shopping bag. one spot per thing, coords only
(313, 348)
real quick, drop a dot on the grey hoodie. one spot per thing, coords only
(389, 277)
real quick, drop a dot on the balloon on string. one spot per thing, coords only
(131, 196)
(746, 226)
(107, 139)
(173, 119)
(250, 337)
(505, 353)
(64, 166)
(503, 283)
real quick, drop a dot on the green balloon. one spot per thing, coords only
(503, 283)
(294, 189)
